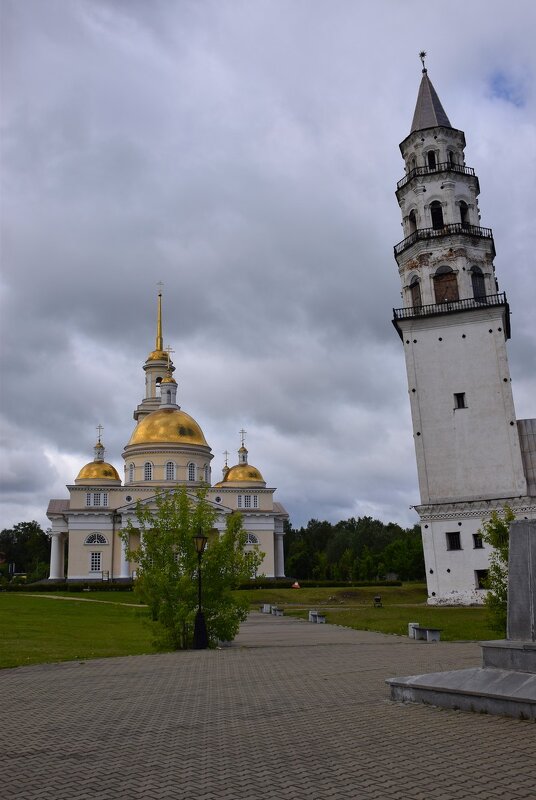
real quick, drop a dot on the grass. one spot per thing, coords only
(37, 630)
(353, 608)
(41, 629)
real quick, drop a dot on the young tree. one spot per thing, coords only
(166, 562)
(496, 533)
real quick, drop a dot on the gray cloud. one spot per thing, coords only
(246, 154)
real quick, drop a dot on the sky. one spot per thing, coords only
(245, 153)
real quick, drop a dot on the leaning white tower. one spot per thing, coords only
(454, 325)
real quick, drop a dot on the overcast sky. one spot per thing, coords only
(245, 153)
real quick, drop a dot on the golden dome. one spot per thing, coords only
(168, 425)
(168, 379)
(98, 471)
(157, 355)
(244, 473)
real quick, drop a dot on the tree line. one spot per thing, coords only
(351, 550)
(354, 550)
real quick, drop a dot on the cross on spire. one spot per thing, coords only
(242, 434)
(99, 433)
(159, 284)
(169, 351)
(226, 454)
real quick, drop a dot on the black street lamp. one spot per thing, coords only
(200, 629)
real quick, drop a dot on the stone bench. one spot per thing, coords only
(427, 634)
(316, 616)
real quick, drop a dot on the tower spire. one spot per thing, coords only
(429, 113)
(159, 337)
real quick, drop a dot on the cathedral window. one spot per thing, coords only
(459, 400)
(453, 541)
(88, 499)
(451, 158)
(412, 221)
(415, 291)
(147, 471)
(436, 212)
(239, 501)
(255, 501)
(95, 562)
(96, 538)
(247, 501)
(191, 471)
(478, 544)
(131, 472)
(170, 471)
(445, 285)
(432, 162)
(206, 470)
(478, 282)
(251, 538)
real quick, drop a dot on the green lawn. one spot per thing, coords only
(35, 630)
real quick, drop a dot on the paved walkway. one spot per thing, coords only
(290, 711)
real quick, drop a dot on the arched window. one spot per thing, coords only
(431, 159)
(170, 471)
(464, 213)
(412, 220)
(445, 285)
(191, 471)
(147, 471)
(413, 164)
(158, 386)
(436, 211)
(415, 291)
(95, 538)
(451, 157)
(206, 471)
(479, 284)
(251, 538)
(131, 472)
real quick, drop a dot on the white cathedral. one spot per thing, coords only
(167, 449)
(473, 455)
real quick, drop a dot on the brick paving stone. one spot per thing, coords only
(291, 710)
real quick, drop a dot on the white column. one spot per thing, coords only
(124, 567)
(56, 557)
(279, 556)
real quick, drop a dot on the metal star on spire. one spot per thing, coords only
(422, 56)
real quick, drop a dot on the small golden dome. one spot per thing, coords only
(244, 473)
(168, 379)
(168, 425)
(98, 471)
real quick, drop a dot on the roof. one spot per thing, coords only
(429, 113)
(58, 506)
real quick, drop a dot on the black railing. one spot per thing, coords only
(436, 233)
(453, 306)
(444, 166)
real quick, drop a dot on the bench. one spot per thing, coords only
(378, 601)
(427, 634)
(265, 608)
(316, 616)
(277, 612)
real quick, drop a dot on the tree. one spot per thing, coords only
(28, 547)
(167, 566)
(496, 533)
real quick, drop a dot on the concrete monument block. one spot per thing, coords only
(521, 621)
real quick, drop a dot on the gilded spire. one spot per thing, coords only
(159, 337)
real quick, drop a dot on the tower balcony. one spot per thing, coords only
(443, 166)
(454, 306)
(457, 228)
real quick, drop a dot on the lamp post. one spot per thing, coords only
(200, 629)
